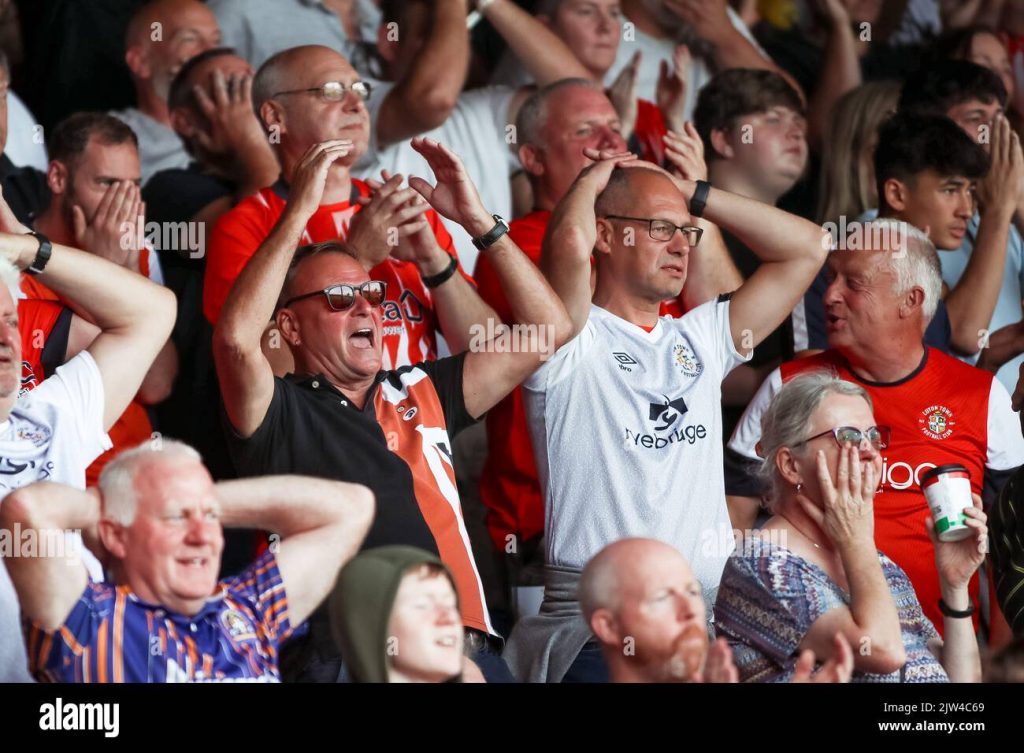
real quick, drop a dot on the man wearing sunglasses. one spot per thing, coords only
(343, 415)
(932, 409)
(626, 418)
(311, 95)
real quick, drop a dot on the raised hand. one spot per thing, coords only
(957, 561)
(310, 176)
(454, 196)
(390, 217)
(622, 94)
(670, 92)
(1002, 185)
(719, 666)
(709, 18)
(685, 152)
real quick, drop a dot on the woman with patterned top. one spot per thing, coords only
(813, 569)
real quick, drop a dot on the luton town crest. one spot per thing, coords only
(936, 422)
(687, 361)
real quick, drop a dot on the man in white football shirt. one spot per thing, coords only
(626, 417)
(55, 431)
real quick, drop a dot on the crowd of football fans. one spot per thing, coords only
(510, 340)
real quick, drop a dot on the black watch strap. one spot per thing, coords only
(42, 255)
(700, 198)
(492, 235)
(950, 612)
(443, 276)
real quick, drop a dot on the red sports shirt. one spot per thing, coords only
(946, 411)
(410, 322)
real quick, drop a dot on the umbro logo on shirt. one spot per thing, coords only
(625, 360)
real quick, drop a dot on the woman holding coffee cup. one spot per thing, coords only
(813, 571)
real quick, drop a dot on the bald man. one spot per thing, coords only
(161, 37)
(644, 605)
(310, 96)
(626, 417)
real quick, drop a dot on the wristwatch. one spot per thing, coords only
(42, 255)
(700, 198)
(491, 236)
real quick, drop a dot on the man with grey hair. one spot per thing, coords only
(941, 410)
(55, 431)
(164, 617)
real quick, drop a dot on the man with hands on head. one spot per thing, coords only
(164, 617)
(55, 431)
(342, 414)
(556, 126)
(645, 460)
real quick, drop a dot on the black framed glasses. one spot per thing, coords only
(663, 230)
(334, 91)
(878, 436)
(340, 296)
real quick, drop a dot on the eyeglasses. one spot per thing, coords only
(878, 436)
(663, 230)
(334, 91)
(341, 297)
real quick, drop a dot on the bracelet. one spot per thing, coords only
(700, 198)
(950, 612)
(443, 276)
(42, 255)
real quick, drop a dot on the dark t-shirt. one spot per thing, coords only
(399, 445)
(25, 190)
(178, 194)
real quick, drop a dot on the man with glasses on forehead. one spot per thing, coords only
(626, 419)
(344, 414)
(936, 409)
(311, 95)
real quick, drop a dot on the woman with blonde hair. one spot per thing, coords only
(847, 171)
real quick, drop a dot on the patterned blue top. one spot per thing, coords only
(769, 598)
(112, 635)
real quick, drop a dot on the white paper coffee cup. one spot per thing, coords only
(948, 491)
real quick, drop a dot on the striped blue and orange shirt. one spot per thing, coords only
(112, 635)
